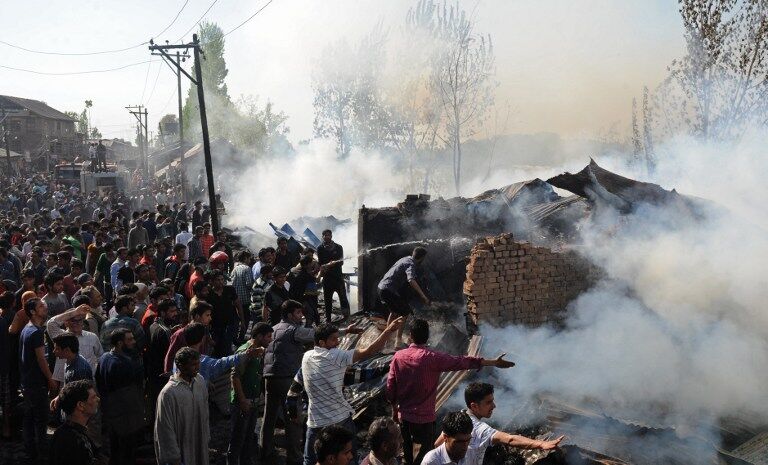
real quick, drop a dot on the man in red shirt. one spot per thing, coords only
(200, 265)
(155, 296)
(206, 240)
(412, 387)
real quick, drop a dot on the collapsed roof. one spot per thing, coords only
(599, 185)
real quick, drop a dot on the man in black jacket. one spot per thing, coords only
(331, 257)
(71, 444)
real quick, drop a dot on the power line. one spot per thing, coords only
(198, 21)
(102, 52)
(157, 76)
(146, 78)
(75, 72)
(249, 18)
(168, 102)
(172, 22)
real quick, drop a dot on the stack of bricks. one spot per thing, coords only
(511, 282)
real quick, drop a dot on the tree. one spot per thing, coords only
(650, 160)
(247, 125)
(83, 120)
(214, 71)
(462, 66)
(350, 106)
(719, 89)
(637, 143)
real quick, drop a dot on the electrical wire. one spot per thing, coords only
(152, 92)
(168, 102)
(249, 18)
(172, 22)
(198, 21)
(75, 72)
(101, 52)
(146, 79)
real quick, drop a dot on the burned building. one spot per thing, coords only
(529, 209)
(509, 255)
(512, 256)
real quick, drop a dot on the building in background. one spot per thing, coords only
(40, 132)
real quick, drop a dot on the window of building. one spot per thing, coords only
(31, 124)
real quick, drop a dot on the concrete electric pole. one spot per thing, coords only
(198, 81)
(138, 111)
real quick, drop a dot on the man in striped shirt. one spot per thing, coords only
(323, 370)
(412, 387)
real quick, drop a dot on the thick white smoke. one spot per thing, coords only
(677, 331)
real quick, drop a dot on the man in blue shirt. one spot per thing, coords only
(211, 368)
(66, 346)
(36, 378)
(393, 285)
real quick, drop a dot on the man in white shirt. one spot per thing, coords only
(480, 404)
(323, 370)
(183, 237)
(455, 450)
(90, 345)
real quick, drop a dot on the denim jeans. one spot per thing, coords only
(242, 440)
(312, 433)
(35, 420)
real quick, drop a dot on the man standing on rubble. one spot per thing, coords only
(323, 369)
(392, 288)
(331, 257)
(412, 387)
(479, 400)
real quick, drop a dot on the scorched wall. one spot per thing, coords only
(515, 282)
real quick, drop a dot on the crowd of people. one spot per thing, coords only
(125, 321)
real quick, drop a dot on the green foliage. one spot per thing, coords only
(245, 123)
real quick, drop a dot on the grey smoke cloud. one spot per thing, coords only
(676, 332)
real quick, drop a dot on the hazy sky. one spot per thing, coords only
(563, 66)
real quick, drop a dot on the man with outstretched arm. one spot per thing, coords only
(323, 370)
(480, 404)
(412, 387)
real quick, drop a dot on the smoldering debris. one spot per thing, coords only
(645, 360)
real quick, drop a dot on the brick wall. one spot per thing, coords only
(515, 282)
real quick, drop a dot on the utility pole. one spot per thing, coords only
(198, 81)
(6, 136)
(181, 130)
(138, 111)
(181, 118)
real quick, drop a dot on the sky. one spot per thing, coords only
(566, 67)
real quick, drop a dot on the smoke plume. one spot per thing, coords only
(676, 332)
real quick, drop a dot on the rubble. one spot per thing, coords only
(511, 255)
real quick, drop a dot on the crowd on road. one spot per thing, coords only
(125, 321)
